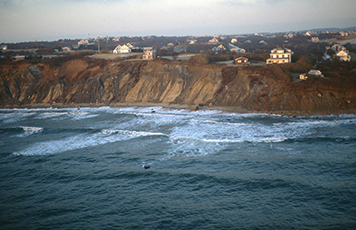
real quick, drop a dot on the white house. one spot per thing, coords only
(148, 53)
(344, 33)
(117, 39)
(214, 40)
(280, 56)
(263, 42)
(130, 46)
(313, 72)
(236, 49)
(19, 57)
(66, 49)
(234, 40)
(338, 47)
(218, 48)
(309, 33)
(122, 49)
(316, 73)
(290, 35)
(343, 55)
(303, 76)
(83, 42)
(315, 39)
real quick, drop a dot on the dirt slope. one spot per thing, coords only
(85, 80)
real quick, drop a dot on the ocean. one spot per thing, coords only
(154, 168)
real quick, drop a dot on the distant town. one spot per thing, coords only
(256, 49)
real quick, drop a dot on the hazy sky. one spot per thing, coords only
(29, 20)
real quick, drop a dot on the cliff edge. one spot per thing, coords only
(84, 80)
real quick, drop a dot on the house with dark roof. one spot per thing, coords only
(241, 61)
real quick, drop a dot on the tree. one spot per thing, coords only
(330, 52)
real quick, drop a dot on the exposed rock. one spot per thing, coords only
(91, 81)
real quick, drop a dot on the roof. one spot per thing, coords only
(314, 72)
(241, 58)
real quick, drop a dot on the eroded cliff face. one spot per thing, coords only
(91, 81)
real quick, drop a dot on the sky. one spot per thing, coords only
(49, 20)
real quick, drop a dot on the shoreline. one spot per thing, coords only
(191, 108)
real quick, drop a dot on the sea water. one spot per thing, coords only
(153, 168)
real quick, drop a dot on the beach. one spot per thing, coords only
(191, 108)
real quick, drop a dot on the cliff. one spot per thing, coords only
(85, 80)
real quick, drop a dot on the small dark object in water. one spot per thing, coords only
(153, 111)
(146, 166)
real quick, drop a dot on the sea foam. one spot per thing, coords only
(81, 141)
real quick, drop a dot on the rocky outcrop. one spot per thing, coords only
(85, 80)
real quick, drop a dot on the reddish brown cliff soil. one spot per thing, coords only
(85, 80)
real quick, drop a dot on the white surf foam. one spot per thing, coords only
(79, 115)
(47, 115)
(81, 141)
(14, 117)
(29, 131)
(32, 129)
(129, 133)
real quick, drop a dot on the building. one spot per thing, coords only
(263, 42)
(117, 39)
(315, 39)
(19, 57)
(214, 40)
(290, 35)
(343, 55)
(3, 47)
(310, 33)
(130, 46)
(235, 49)
(179, 49)
(303, 76)
(234, 40)
(316, 73)
(280, 56)
(66, 49)
(83, 42)
(170, 45)
(241, 61)
(218, 48)
(344, 33)
(122, 49)
(148, 53)
(337, 48)
(311, 73)
(238, 50)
